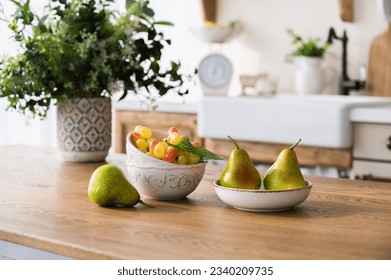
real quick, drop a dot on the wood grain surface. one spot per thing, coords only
(379, 65)
(44, 204)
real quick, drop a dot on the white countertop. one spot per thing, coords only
(166, 106)
(378, 114)
(320, 120)
(372, 111)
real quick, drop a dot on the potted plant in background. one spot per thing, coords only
(73, 57)
(310, 76)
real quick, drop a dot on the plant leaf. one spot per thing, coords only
(202, 152)
(163, 23)
(129, 3)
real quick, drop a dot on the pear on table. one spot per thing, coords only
(285, 173)
(108, 186)
(240, 171)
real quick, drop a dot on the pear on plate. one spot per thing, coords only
(108, 186)
(285, 172)
(240, 171)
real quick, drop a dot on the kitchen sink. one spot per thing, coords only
(319, 120)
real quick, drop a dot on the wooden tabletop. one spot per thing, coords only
(44, 205)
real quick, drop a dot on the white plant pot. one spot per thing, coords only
(309, 77)
(84, 129)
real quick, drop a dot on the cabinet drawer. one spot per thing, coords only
(371, 141)
(368, 169)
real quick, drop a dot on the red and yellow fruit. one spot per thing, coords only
(143, 139)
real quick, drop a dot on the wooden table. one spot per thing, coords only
(44, 205)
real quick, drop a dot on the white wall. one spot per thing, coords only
(263, 44)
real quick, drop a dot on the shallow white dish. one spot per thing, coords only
(217, 34)
(262, 200)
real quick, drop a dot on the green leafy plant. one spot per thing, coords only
(312, 47)
(83, 48)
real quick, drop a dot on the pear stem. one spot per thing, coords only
(145, 204)
(294, 145)
(236, 144)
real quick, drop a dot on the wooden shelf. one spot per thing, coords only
(346, 8)
(209, 10)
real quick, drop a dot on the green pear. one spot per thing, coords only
(285, 173)
(109, 187)
(240, 171)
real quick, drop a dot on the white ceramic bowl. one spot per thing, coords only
(217, 34)
(262, 200)
(159, 179)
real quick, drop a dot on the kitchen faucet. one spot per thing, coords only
(346, 84)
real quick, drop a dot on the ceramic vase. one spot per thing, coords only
(309, 77)
(84, 129)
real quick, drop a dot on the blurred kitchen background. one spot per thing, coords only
(259, 48)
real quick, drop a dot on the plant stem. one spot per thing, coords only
(236, 144)
(145, 204)
(294, 145)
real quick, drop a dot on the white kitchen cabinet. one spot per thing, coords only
(372, 151)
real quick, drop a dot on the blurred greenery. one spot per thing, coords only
(83, 48)
(312, 47)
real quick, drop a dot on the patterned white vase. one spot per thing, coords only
(84, 129)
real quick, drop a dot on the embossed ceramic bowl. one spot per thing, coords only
(159, 179)
(262, 200)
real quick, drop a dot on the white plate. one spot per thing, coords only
(262, 200)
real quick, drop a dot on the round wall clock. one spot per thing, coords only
(215, 72)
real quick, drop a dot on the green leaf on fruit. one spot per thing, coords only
(185, 145)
